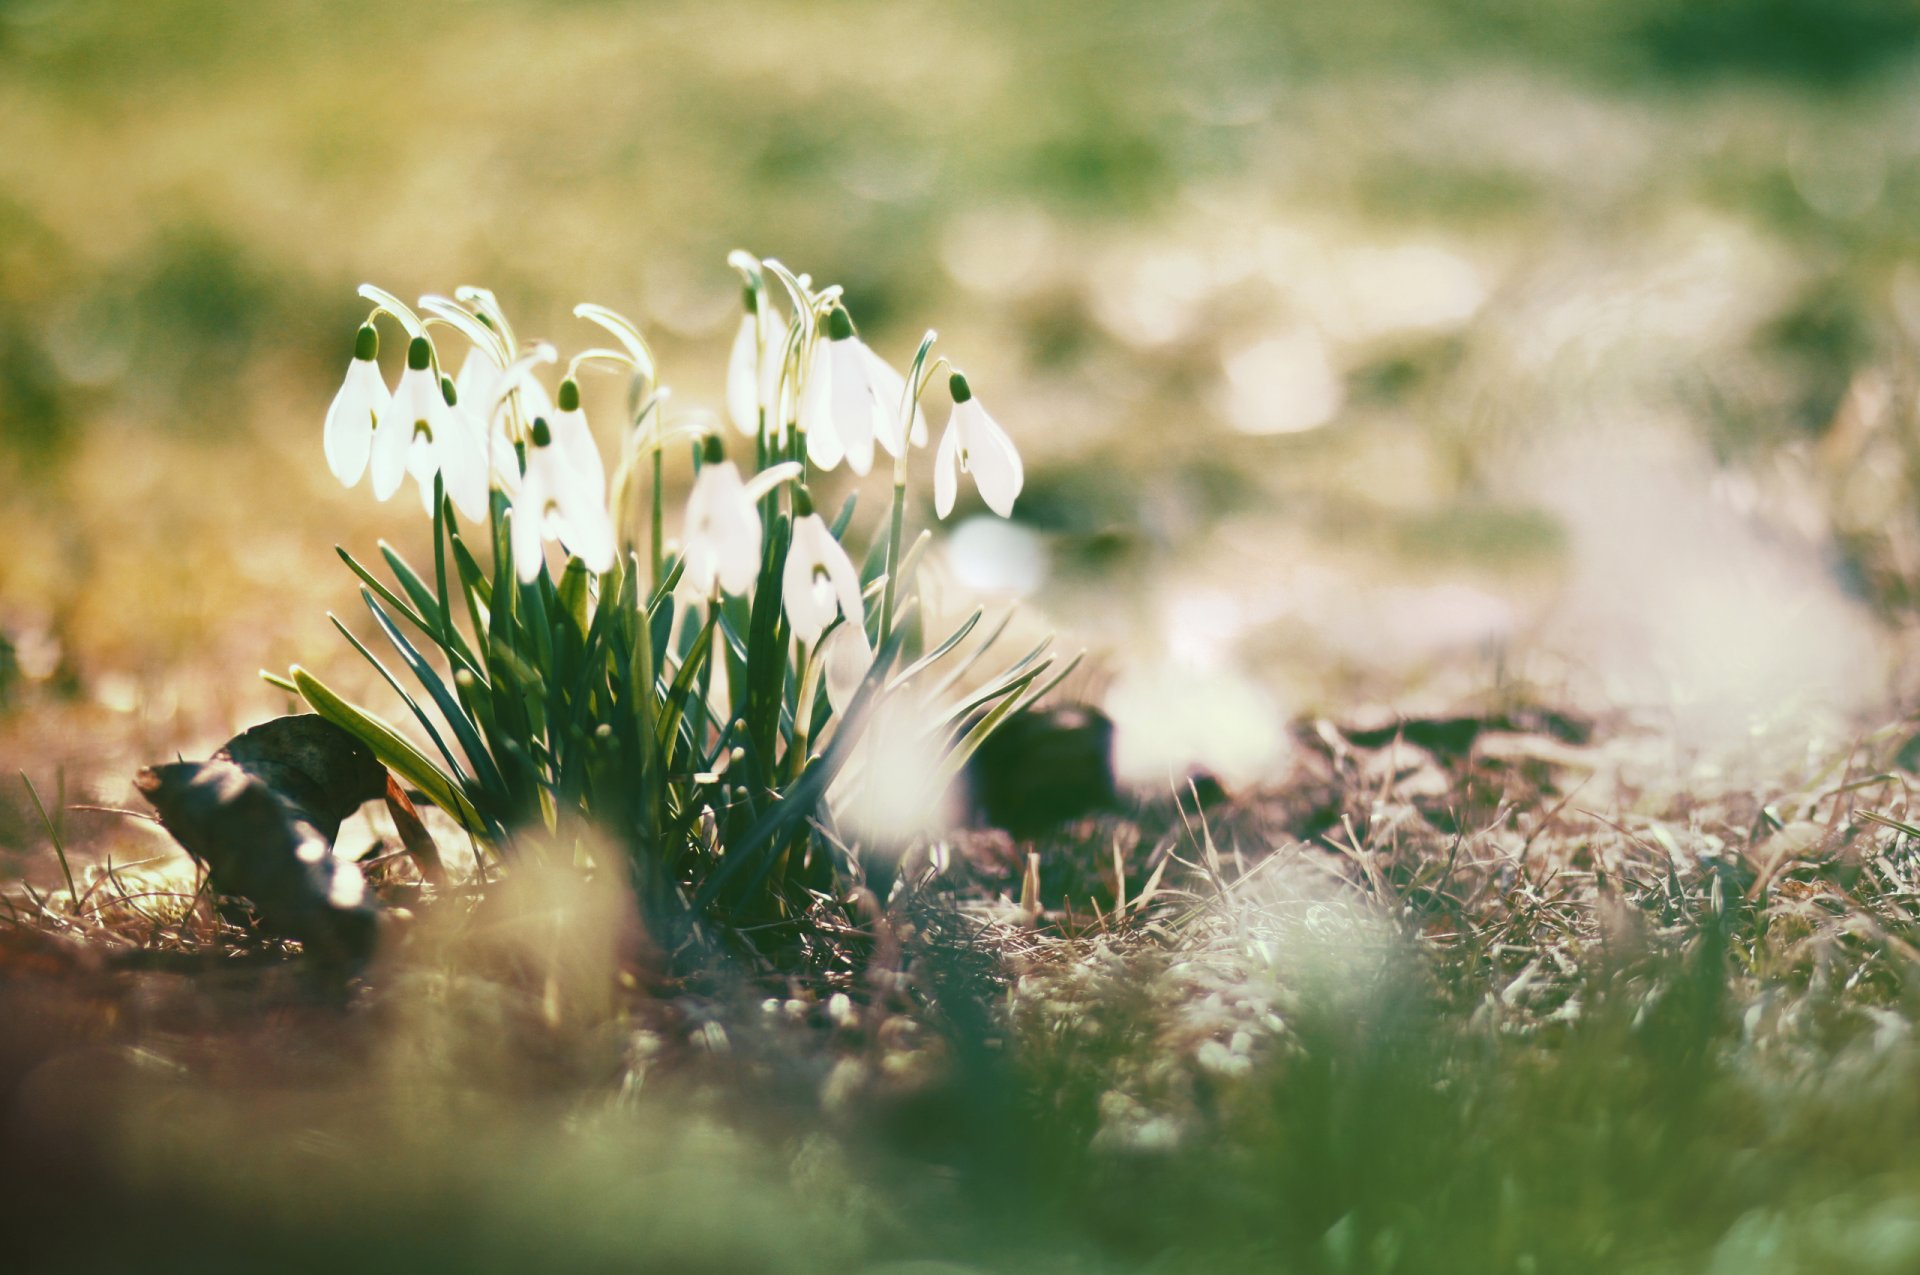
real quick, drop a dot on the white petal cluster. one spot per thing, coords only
(495, 425)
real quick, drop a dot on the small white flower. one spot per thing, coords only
(722, 540)
(974, 443)
(362, 397)
(753, 370)
(851, 399)
(820, 583)
(417, 405)
(558, 502)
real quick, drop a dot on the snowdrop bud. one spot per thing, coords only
(542, 432)
(839, 324)
(448, 392)
(366, 344)
(569, 400)
(712, 450)
(419, 354)
(958, 387)
(802, 501)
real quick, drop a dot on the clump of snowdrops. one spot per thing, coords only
(585, 676)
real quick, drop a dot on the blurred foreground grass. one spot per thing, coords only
(1368, 351)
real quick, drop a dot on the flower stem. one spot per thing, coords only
(895, 526)
(658, 548)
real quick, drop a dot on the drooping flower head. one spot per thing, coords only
(851, 400)
(421, 434)
(975, 444)
(820, 583)
(557, 501)
(722, 541)
(417, 405)
(356, 407)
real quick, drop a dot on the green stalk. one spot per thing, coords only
(916, 384)
(896, 523)
(659, 487)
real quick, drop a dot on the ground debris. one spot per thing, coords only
(262, 814)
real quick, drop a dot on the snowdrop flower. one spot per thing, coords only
(722, 540)
(453, 448)
(558, 501)
(820, 583)
(362, 398)
(974, 443)
(574, 439)
(753, 369)
(851, 399)
(411, 429)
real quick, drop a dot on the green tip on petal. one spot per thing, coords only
(749, 298)
(448, 392)
(712, 450)
(802, 502)
(542, 435)
(569, 395)
(419, 354)
(957, 383)
(839, 324)
(366, 344)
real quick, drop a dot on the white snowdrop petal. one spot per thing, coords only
(423, 483)
(844, 577)
(587, 531)
(991, 458)
(573, 438)
(529, 515)
(890, 395)
(946, 466)
(772, 361)
(737, 546)
(463, 465)
(743, 390)
(348, 436)
(476, 383)
(825, 447)
(393, 441)
(805, 616)
(853, 403)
